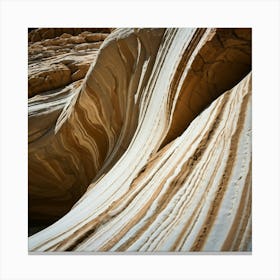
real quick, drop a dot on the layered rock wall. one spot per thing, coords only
(151, 156)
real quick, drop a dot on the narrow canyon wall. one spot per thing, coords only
(149, 149)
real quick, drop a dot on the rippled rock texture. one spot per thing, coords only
(140, 139)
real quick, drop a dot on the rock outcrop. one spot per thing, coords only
(141, 143)
(58, 61)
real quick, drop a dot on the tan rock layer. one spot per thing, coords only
(38, 34)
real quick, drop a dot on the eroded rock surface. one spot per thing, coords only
(59, 58)
(152, 147)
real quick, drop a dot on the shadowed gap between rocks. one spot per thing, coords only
(219, 65)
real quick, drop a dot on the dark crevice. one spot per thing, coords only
(220, 64)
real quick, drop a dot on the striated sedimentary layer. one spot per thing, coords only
(149, 149)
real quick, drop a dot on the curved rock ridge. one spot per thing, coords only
(154, 170)
(64, 159)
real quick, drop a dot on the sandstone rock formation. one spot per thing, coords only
(59, 61)
(149, 149)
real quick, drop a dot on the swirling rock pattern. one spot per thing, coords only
(152, 147)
